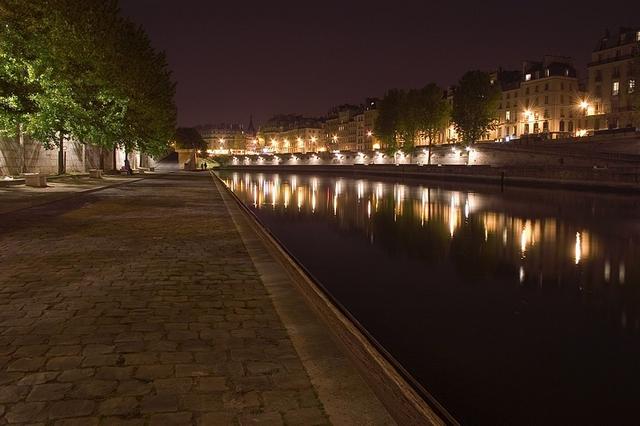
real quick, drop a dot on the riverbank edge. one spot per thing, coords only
(496, 179)
(402, 396)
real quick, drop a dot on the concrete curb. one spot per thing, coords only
(403, 397)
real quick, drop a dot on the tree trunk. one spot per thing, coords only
(61, 162)
(84, 157)
(23, 153)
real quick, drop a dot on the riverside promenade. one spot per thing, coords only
(139, 304)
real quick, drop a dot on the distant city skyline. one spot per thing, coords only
(230, 60)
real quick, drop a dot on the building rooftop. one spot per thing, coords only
(623, 36)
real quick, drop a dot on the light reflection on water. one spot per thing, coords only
(550, 279)
(539, 246)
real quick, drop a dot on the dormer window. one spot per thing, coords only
(546, 72)
(527, 77)
(638, 36)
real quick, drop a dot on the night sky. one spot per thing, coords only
(234, 58)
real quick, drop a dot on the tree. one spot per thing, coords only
(434, 113)
(388, 121)
(475, 102)
(408, 124)
(189, 138)
(75, 69)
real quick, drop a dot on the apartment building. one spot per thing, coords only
(613, 72)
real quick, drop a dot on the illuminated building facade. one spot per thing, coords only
(365, 123)
(613, 77)
(341, 127)
(224, 138)
(292, 134)
(543, 101)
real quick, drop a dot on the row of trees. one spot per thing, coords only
(78, 70)
(404, 116)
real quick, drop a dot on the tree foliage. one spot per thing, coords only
(189, 138)
(406, 116)
(475, 106)
(77, 69)
(387, 124)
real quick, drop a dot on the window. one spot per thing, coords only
(537, 88)
(561, 86)
(546, 100)
(546, 113)
(545, 126)
(526, 91)
(632, 85)
(526, 129)
(536, 128)
(638, 36)
(615, 89)
(570, 126)
(546, 72)
(546, 87)
(562, 125)
(561, 99)
(598, 75)
(508, 116)
(527, 77)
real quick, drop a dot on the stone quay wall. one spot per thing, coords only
(33, 157)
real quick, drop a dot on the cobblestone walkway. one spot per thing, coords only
(139, 305)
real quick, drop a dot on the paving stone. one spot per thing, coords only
(13, 393)
(94, 389)
(76, 374)
(173, 386)
(64, 363)
(120, 406)
(78, 421)
(305, 416)
(71, 408)
(48, 392)
(280, 400)
(27, 364)
(264, 419)
(151, 372)
(114, 373)
(216, 419)
(212, 384)
(134, 388)
(26, 412)
(159, 404)
(170, 419)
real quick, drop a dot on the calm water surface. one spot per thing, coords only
(520, 307)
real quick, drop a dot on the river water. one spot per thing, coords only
(519, 306)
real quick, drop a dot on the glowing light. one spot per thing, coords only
(622, 273)
(376, 146)
(578, 248)
(521, 274)
(314, 139)
(300, 197)
(369, 133)
(369, 209)
(525, 237)
(607, 271)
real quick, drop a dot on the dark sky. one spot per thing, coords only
(232, 58)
